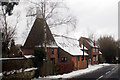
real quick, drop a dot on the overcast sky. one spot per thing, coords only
(98, 17)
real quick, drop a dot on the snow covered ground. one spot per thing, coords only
(1, 74)
(18, 71)
(78, 72)
(29, 69)
(11, 58)
(71, 74)
(25, 56)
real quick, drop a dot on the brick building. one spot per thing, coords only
(93, 50)
(63, 51)
(70, 51)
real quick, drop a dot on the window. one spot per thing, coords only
(64, 59)
(93, 58)
(53, 60)
(86, 58)
(96, 50)
(78, 58)
(96, 57)
(52, 51)
(93, 49)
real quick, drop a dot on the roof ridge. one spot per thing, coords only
(55, 35)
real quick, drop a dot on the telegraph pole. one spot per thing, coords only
(45, 32)
(83, 49)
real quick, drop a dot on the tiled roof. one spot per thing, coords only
(69, 45)
(90, 42)
(36, 35)
(36, 38)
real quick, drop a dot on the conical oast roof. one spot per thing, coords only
(36, 35)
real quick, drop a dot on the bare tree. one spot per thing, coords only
(91, 36)
(55, 14)
(108, 47)
(8, 31)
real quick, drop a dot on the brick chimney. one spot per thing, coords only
(94, 42)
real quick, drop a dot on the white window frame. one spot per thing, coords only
(64, 59)
(96, 50)
(93, 58)
(93, 49)
(96, 57)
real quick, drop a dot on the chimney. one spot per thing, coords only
(94, 42)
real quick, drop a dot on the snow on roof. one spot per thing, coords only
(90, 43)
(100, 52)
(84, 47)
(51, 45)
(69, 45)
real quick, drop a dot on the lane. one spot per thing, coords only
(114, 74)
(98, 74)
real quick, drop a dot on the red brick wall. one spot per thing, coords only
(55, 55)
(90, 52)
(79, 64)
(65, 67)
(74, 59)
(86, 45)
(28, 51)
(95, 52)
(82, 64)
(62, 54)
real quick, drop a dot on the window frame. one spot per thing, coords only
(96, 50)
(78, 58)
(64, 59)
(52, 51)
(94, 56)
(93, 49)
